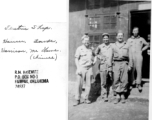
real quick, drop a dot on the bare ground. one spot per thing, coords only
(133, 109)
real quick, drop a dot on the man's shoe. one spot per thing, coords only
(117, 100)
(123, 100)
(77, 102)
(105, 99)
(87, 101)
(103, 96)
(139, 88)
(99, 98)
(114, 93)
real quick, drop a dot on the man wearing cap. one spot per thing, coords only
(104, 54)
(122, 58)
(84, 59)
(136, 43)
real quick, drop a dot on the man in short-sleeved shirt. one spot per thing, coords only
(136, 43)
(84, 60)
(104, 54)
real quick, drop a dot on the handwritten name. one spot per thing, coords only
(16, 41)
(45, 41)
(3, 50)
(46, 49)
(42, 57)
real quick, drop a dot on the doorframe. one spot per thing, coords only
(130, 26)
(129, 22)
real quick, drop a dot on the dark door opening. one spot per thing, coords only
(142, 20)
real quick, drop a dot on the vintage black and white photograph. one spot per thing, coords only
(109, 59)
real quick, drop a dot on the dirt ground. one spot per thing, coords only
(133, 109)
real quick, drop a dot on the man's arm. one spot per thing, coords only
(130, 58)
(97, 51)
(77, 63)
(77, 57)
(110, 63)
(128, 41)
(110, 59)
(146, 45)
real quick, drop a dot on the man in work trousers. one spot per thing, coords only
(84, 59)
(122, 58)
(136, 43)
(104, 54)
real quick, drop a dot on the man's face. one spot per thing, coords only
(106, 39)
(120, 37)
(135, 32)
(86, 42)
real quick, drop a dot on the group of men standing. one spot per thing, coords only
(116, 61)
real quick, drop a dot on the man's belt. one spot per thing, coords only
(122, 60)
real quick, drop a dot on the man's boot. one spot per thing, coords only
(77, 102)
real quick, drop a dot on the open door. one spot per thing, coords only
(142, 20)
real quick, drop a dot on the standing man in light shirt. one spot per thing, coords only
(84, 59)
(122, 58)
(104, 54)
(138, 45)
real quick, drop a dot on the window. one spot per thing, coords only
(109, 22)
(94, 23)
(95, 40)
(112, 37)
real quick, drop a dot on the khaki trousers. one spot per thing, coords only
(120, 70)
(137, 65)
(86, 75)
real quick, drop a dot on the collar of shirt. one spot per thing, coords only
(133, 37)
(122, 44)
(85, 48)
(107, 46)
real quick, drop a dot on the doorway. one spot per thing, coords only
(142, 20)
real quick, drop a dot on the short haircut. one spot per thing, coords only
(84, 36)
(119, 31)
(105, 34)
(135, 28)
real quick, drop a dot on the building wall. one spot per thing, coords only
(122, 21)
(79, 24)
(76, 30)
